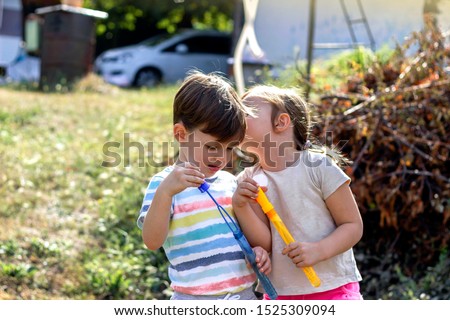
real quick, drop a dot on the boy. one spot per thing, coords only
(205, 260)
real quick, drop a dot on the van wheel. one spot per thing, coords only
(147, 78)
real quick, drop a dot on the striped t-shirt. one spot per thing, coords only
(204, 257)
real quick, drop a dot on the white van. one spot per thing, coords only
(10, 31)
(15, 64)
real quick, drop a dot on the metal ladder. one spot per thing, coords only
(350, 24)
(362, 19)
(330, 45)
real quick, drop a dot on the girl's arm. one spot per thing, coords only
(252, 219)
(345, 212)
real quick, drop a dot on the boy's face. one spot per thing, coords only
(204, 151)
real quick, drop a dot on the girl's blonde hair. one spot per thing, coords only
(286, 101)
(290, 101)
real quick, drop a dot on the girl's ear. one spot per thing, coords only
(282, 122)
(179, 132)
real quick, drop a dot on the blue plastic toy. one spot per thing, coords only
(243, 243)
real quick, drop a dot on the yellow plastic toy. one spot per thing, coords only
(273, 216)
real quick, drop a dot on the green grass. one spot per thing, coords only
(67, 223)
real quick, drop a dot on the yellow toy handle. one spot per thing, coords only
(269, 210)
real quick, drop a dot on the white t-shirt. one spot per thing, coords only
(298, 195)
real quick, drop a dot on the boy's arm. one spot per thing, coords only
(156, 223)
(253, 221)
(262, 258)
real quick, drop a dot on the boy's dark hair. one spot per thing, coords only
(210, 103)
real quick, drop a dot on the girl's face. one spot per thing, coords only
(271, 140)
(259, 127)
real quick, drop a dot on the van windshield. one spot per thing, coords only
(153, 41)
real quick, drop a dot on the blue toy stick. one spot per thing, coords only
(243, 243)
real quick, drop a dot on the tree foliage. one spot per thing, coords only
(132, 21)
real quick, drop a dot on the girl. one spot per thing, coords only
(310, 193)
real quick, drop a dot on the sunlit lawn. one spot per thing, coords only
(67, 222)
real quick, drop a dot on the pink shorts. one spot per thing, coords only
(349, 291)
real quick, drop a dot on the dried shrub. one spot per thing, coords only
(396, 122)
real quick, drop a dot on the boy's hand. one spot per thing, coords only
(246, 191)
(303, 254)
(184, 175)
(262, 260)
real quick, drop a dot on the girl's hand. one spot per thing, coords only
(183, 176)
(246, 192)
(304, 254)
(263, 260)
